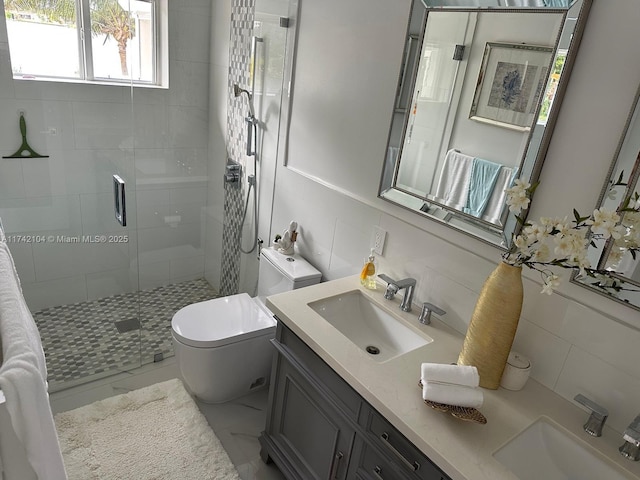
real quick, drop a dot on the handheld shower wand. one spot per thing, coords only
(252, 132)
(252, 129)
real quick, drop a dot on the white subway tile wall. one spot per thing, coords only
(157, 139)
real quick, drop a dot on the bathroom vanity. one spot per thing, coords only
(339, 412)
(319, 427)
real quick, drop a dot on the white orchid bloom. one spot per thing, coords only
(517, 203)
(565, 243)
(551, 282)
(615, 255)
(542, 254)
(604, 221)
(518, 196)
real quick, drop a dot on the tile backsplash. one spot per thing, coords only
(573, 348)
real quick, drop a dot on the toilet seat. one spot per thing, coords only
(221, 321)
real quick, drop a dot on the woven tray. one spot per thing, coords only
(467, 414)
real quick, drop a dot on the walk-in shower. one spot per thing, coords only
(104, 272)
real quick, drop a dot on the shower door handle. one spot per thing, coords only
(119, 200)
(251, 133)
(252, 122)
(255, 40)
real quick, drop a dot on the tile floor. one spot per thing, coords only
(237, 423)
(86, 340)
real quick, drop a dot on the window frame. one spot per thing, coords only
(160, 57)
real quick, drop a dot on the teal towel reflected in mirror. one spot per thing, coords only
(483, 179)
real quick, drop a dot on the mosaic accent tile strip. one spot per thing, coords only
(230, 267)
(242, 18)
(82, 341)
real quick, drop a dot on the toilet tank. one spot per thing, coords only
(280, 273)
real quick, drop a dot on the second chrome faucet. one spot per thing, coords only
(598, 416)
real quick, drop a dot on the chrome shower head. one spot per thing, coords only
(237, 91)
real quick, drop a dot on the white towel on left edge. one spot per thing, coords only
(458, 395)
(446, 373)
(453, 186)
(23, 377)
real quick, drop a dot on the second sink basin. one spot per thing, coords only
(368, 326)
(546, 451)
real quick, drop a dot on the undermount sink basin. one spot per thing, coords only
(545, 450)
(368, 326)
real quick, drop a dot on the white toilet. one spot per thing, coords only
(222, 345)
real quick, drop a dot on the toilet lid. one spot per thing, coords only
(221, 321)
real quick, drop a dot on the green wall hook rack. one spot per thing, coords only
(25, 148)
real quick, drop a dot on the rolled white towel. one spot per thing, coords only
(459, 395)
(456, 374)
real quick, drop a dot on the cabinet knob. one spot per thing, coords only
(377, 471)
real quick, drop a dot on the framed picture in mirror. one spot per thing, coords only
(511, 80)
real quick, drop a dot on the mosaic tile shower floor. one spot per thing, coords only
(89, 339)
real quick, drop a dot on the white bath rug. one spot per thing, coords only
(155, 433)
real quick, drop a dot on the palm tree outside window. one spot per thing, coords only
(92, 40)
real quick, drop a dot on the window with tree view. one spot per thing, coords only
(91, 40)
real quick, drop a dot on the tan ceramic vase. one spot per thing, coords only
(493, 325)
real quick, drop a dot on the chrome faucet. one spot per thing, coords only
(427, 309)
(631, 446)
(408, 284)
(598, 416)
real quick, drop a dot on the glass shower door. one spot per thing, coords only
(171, 135)
(77, 263)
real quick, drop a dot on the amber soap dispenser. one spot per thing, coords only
(368, 273)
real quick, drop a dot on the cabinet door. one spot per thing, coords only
(307, 431)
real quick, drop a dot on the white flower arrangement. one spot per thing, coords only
(560, 242)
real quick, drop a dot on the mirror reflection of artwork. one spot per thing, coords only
(454, 51)
(511, 86)
(510, 83)
(506, 87)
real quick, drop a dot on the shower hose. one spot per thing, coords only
(252, 185)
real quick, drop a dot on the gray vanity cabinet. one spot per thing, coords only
(319, 428)
(309, 433)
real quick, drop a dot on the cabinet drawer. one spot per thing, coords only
(372, 465)
(340, 391)
(384, 435)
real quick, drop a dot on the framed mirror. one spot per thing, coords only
(477, 100)
(623, 283)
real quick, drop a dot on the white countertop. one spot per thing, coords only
(463, 450)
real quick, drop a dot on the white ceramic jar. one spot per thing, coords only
(516, 372)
